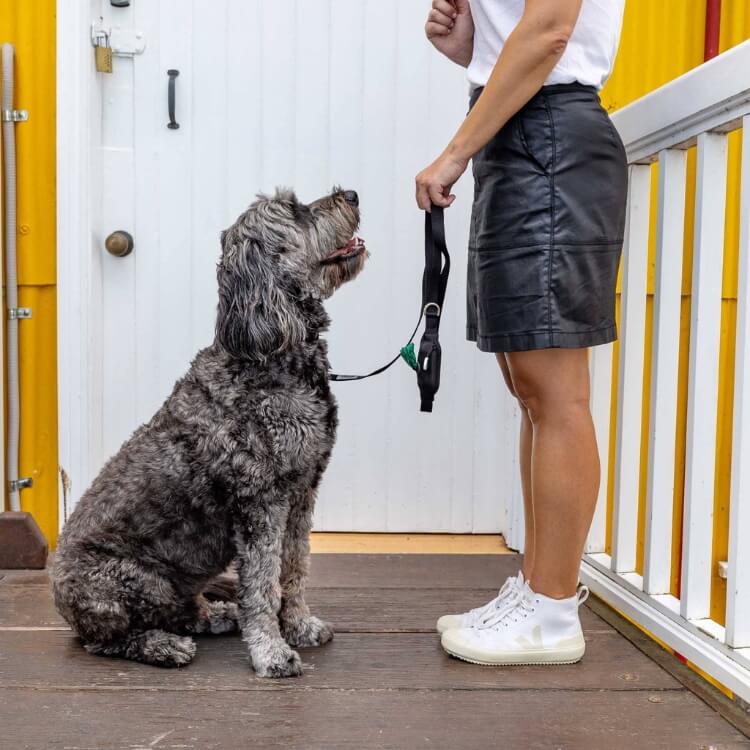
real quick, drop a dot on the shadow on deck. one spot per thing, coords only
(383, 683)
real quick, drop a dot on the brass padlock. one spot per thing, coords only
(103, 54)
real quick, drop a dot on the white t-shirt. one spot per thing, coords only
(588, 58)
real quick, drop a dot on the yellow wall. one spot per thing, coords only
(660, 42)
(30, 27)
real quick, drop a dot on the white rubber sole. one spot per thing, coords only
(565, 655)
(519, 660)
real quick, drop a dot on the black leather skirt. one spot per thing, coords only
(547, 226)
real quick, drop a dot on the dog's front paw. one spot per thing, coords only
(276, 659)
(307, 631)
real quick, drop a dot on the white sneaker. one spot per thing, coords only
(474, 617)
(529, 628)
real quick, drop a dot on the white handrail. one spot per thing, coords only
(712, 97)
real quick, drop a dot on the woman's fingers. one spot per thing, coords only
(440, 196)
(435, 29)
(444, 7)
(443, 19)
(423, 196)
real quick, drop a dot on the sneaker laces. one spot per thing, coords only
(478, 614)
(519, 602)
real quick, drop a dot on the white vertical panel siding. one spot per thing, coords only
(150, 80)
(118, 274)
(600, 368)
(665, 360)
(630, 378)
(738, 578)
(244, 111)
(175, 205)
(305, 95)
(211, 110)
(703, 376)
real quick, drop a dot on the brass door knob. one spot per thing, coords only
(119, 243)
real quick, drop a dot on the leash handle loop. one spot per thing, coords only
(437, 265)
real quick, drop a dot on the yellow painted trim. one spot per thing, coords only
(31, 28)
(444, 544)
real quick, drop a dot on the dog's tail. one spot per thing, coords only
(223, 588)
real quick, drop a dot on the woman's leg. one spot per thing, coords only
(524, 455)
(553, 385)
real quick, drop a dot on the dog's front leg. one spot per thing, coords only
(298, 626)
(260, 538)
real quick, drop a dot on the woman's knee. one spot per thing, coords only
(543, 393)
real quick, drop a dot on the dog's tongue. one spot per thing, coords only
(355, 243)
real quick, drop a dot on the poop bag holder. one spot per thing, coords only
(437, 266)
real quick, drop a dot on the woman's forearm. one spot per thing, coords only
(531, 52)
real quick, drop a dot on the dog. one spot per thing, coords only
(226, 471)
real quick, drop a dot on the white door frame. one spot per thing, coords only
(79, 348)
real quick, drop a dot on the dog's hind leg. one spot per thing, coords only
(215, 617)
(259, 547)
(156, 647)
(298, 626)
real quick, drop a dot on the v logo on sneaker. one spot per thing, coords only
(535, 642)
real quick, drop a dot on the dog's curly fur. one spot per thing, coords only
(228, 468)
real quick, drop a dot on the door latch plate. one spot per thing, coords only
(123, 42)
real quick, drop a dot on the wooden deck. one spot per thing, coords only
(383, 683)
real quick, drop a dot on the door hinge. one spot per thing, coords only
(15, 115)
(19, 313)
(23, 483)
(123, 42)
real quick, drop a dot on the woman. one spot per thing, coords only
(547, 224)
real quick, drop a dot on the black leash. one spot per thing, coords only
(434, 282)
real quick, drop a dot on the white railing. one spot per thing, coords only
(699, 109)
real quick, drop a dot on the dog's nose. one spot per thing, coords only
(350, 196)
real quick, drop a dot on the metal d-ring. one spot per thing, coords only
(432, 304)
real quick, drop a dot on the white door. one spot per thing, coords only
(304, 94)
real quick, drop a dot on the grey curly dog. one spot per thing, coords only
(227, 470)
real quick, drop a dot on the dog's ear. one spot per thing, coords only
(259, 312)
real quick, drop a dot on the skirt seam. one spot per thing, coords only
(541, 245)
(552, 214)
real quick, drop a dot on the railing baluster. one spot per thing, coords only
(665, 359)
(738, 585)
(630, 377)
(705, 331)
(600, 366)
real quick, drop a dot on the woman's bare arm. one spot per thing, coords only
(529, 55)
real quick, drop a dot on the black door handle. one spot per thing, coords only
(172, 124)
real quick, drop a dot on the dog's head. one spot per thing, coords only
(277, 257)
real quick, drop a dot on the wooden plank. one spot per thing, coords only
(703, 376)
(630, 378)
(412, 571)
(600, 367)
(350, 610)
(732, 710)
(670, 232)
(418, 544)
(338, 719)
(352, 661)
(738, 582)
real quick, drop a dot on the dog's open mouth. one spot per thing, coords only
(353, 248)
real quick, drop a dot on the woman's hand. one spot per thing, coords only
(450, 29)
(434, 183)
